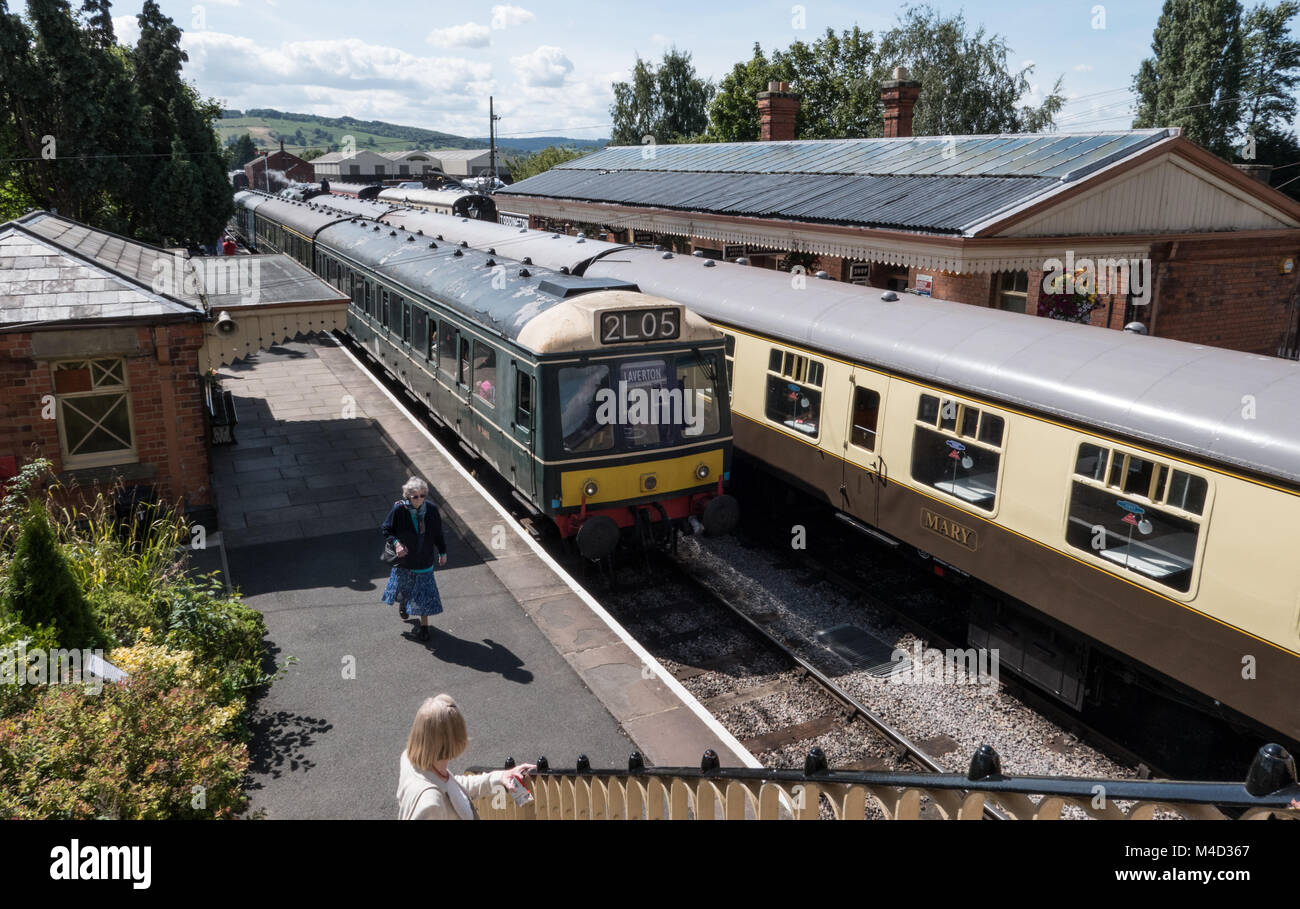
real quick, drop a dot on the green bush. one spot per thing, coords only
(41, 589)
(13, 635)
(123, 616)
(221, 632)
(135, 751)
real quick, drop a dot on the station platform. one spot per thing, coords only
(321, 454)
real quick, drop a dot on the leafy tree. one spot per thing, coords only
(311, 154)
(1270, 74)
(42, 590)
(669, 102)
(523, 167)
(1193, 81)
(242, 151)
(967, 86)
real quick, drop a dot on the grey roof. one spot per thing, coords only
(263, 280)
(468, 283)
(1182, 397)
(932, 183)
(43, 282)
(132, 258)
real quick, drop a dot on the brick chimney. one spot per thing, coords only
(899, 95)
(777, 108)
(282, 146)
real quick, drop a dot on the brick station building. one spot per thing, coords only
(104, 376)
(975, 219)
(276, 170)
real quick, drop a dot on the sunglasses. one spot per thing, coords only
(415, 497)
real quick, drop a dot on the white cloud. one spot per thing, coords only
(127, 30)
(506, 16)
(471, 34)
(545, 67)
(1083, 68)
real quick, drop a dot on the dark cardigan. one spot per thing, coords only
(399, 526)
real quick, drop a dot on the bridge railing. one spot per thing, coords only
(711, 792)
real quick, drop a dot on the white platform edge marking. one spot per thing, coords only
(664, 676)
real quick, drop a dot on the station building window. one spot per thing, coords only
(1013, 291)
(794, 391)
(1137, 513)
(93, 405)
(957, 449)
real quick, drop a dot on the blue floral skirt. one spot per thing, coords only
(418, 591)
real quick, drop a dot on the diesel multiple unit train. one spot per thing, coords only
(1113, 502)
(604, 408)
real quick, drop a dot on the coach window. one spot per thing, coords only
(419, 330)
(794, 396)
(431, 342)
(524, 402)
(957, 449)
(729, 343)
(383, 306)
(1140, 515)
(1013, 290)
(405, 309)
(370, 299)
(464, 374)
(866, 413)
(447, 348)
(485, 372)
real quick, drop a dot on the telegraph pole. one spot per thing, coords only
(492, 143)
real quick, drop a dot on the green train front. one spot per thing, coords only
(636, 428)
(604, 408)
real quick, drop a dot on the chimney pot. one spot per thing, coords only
(777, 110)
(901, 73)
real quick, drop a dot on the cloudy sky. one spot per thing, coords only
(550, 64)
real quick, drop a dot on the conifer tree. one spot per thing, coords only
(42, 589)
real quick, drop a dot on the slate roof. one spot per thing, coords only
(935, 184)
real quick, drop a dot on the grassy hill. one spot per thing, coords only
(302, 131)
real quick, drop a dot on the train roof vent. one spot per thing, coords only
(420, 231)
(433, 245)
(392, 233)
(410, 238)
(376, 227)
(464, 244)
(490, 263)
(709, 263)
(699, 254)
(439, 236)
(528, 260)
(889, 296)
(667, 255)
(458, 253)
(525, 273)
(523, 230)
(492, 250)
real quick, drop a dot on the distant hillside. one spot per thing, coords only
(267, 127)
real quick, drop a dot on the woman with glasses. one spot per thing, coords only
(416, 527)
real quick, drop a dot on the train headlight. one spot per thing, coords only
(590, 488)
(702, 472)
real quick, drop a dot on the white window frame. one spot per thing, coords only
(73, 461)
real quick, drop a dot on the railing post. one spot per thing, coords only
(510, 763)
(1272, 769)
(815, 762)
(709, 761)
(984, 763)
(543, 763)
(584, 764)
(635, 763)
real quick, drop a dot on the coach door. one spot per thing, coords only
(863, 466)
(522, 429)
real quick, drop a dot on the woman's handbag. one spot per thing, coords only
(389, 554)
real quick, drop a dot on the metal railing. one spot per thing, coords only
(711, 792)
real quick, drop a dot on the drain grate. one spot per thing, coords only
(861, 649)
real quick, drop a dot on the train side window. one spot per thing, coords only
(524, 402)
(404, 308)
(447, 348)
(729, 345)
(485, 372)
(1139, 537)
(383, 303)
(1091, 461)
(419, 330)
(370, 302)
(866, 414)
(966, 467)
(1187, 492)
(431, 342)
(463, 375)
(794, 397)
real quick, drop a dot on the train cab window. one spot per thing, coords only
(957, 450)
(580, 424)
(794, 397)
(463, 375)
(866, 414)
(523, 402)
(447, 348)
(485, 373)
(1144, 516)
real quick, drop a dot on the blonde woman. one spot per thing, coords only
(426, 789)
(416, 527)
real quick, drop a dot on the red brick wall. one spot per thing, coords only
(166, 407)
(971, 288)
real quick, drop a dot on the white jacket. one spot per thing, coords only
(422, 795)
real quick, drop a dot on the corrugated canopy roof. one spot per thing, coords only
(931, 183)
